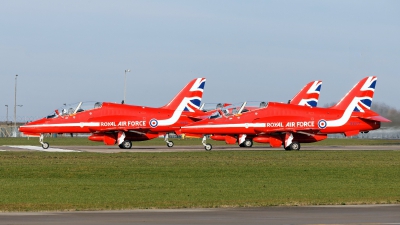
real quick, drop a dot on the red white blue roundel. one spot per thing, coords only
(153, 123)
(322, 124)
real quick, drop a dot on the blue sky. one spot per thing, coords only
(71, 51)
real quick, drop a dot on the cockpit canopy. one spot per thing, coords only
(239, 108)
(206, 107)
(74, 108)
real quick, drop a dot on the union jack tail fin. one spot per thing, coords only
(359, 98)
(309, 95)
(189, 98)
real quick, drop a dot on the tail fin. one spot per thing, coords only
(192, 94)
(309, 95)
(360, 96)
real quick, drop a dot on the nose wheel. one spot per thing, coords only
(207, 146)
(170, 144)
(45, 145)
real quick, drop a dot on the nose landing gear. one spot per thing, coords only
(45, 145)
(170, 144)
(207, 146)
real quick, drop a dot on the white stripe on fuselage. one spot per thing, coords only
(83, 124)
(177, 113)
(346, 115)
(236, 125)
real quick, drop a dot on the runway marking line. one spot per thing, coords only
(37, 148)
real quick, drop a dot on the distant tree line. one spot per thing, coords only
(388, 112)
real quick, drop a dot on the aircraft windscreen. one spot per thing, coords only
(243, 107)
(255, 104)
(231, 109)
(215, 115)
(74, 108)
(212, 106)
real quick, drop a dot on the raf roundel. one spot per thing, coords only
(153, 123)
(322, 124)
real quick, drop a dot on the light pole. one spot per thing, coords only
(15, 107)
(7, 115)
(128, 70)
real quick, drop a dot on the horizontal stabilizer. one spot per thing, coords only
(377, 118)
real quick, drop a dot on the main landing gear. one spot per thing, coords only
(170, 144)
(125, 144)
(207, 146)
(293, 146)
(45, 145)
(122, 143)
(248, 143)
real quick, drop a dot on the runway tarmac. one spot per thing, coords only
(191, 148)
(364, 214)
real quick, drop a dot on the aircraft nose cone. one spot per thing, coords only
(24, 128)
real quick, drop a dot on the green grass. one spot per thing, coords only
(355, 141)
(67, 141)
(36, 181)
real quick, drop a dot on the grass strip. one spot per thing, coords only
(37, 181)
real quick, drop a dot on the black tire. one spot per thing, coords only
(208, 147)
(248, 143)
(45, 145)
(126, 145)
(170, 144)
(295, 146)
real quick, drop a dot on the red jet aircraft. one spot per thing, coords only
(121, 124)
(307, 96)
(289, 125)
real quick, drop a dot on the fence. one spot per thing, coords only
(6, 131)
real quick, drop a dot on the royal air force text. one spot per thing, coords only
(140, 123)
(291, 124)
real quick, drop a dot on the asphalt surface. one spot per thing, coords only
(366, 214)
(192, 148)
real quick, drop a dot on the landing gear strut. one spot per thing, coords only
(207, 146)
(170, 144)
(122, 143)
(45, 145)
